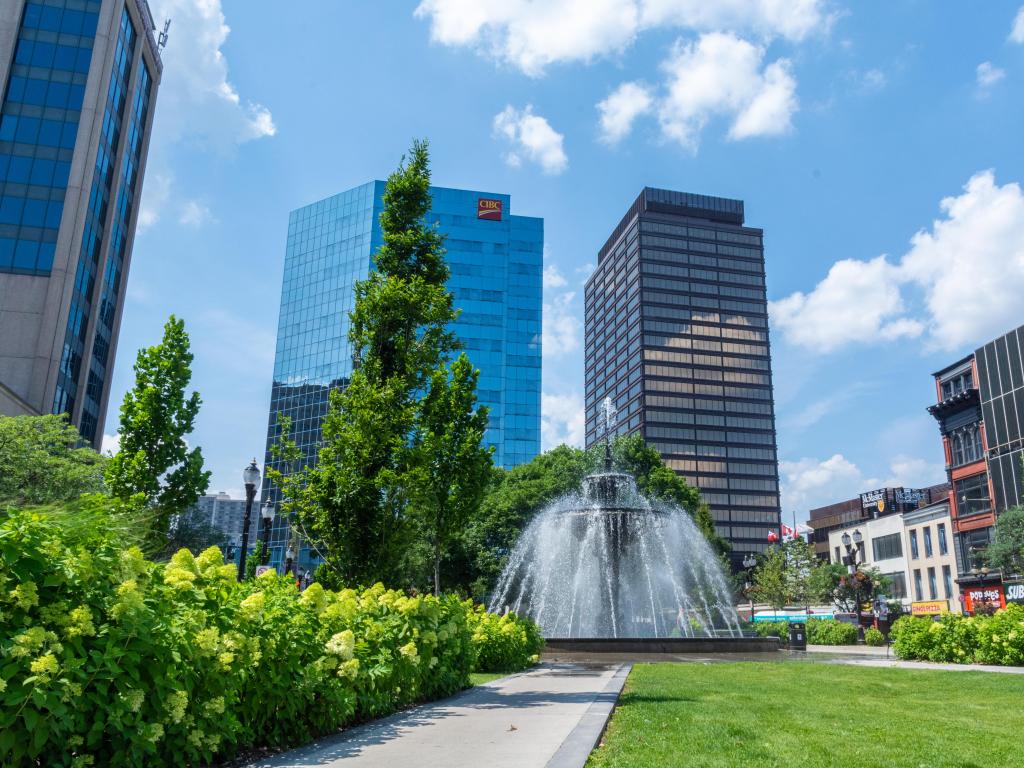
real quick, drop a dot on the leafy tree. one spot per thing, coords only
(191, 530)
(452, 467)
(154, 460)
(42, 461)
(801, 564)
(771, 578)
(354, 501)
(833, 582)
(1007, 550)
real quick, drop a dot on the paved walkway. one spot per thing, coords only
(897, 664)
(551, 716)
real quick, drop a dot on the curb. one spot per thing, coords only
(581, 741)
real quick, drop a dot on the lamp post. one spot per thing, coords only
(853, 560)
(289, 556)
(749, 562)
(251, 478)
(268, 518)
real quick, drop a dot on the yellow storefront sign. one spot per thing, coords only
(929, 608)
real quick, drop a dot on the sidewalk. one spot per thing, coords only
(851, 650)
(549, 716)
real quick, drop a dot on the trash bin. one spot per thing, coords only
(798, 636)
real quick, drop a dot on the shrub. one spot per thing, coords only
(1000, 638)
(779, 629)
(830, 632)
(503, 643)
(995, 639)
(874, 637)
(109, 657)
(911, 637)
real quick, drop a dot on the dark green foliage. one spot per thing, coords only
(42, 461)
(831, 632)
(874, 637)
(1007, 551)
(504, 643)
(154, 460)
(779, 629)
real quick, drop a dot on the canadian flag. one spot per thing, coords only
(773, 536)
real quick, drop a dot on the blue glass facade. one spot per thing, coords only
(38, 124)
(496, 279)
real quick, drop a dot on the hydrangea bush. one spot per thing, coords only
(109, 659)
(996, 639)
(831, 632)
(504, 643)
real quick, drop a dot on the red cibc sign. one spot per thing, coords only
(487, 208)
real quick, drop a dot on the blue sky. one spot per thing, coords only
(878, 145)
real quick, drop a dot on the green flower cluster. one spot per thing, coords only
(504, 643)
(110, 659)
(996, 639)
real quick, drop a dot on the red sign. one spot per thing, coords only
(487, 208)
(993, 596)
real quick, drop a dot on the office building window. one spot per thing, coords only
(926, 534)
(972, 496)
(917, 584)
(898, 582)
(940, 531)
(886, 547)
(933, 589)
(839, 558)
(913, 545)
(947, 581)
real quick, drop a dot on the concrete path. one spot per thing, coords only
(549, 717)
(847, 650)
(897, 664)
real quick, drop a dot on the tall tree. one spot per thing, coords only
(354, 500)
(42, 461)
(771, 578)
(1007, 551)
(154, 459)
(452, 465)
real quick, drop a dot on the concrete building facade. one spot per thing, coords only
(79, 81)
(931, 560)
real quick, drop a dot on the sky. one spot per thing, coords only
(877, 144)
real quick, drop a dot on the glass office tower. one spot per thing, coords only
(496, 263)
(79, 85)
(677, 337)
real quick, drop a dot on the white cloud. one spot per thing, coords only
(194, 214)
(553, 278)
(810, 483)
(110, 444)
(196, 98)
(223, 339)
(988, 75)
(155, 193)
(531, 135)
(721, 75)
(1017, 33)
(561, 326)
(968, 271)
(561, 420)
(533, 34)
(971, 264)
(621, 108)
(858, 301)
(873, 80)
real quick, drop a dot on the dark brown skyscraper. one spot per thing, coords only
(677, 337)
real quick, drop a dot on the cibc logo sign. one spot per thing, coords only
(488, 208)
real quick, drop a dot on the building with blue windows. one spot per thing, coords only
(496, 263)
(79, 82)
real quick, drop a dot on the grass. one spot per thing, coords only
(813, 716)
(479, 678)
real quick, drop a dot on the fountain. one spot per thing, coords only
(608, 562)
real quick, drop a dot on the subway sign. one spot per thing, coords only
(488, 208)
(1015, 592)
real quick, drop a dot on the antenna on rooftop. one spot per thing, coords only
(161, 41)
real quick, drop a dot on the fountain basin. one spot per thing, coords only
(596, 647)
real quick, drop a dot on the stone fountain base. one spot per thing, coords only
(604, 648)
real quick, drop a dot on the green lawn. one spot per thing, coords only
(479, 678)
(811, 715)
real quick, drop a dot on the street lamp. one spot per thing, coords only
(853, 560)
(251, 478)
(749, 562)
(289, 555)
(268, 518)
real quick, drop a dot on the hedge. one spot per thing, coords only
(109, 659)
(996, 639)
(831, 632)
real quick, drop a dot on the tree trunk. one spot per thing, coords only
(437, 574)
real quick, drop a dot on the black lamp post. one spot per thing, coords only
(749, 562)
(268, 519)
(251, 478)
(852, 561)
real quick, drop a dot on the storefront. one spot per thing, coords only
(991, 596)
(929, 607)
(1014, 592)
